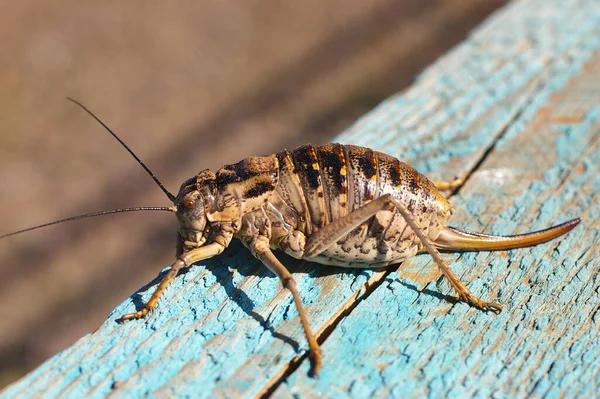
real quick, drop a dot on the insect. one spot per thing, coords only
(332, 204)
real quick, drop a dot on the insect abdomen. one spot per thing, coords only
(325, 183)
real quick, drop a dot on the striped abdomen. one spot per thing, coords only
(324, 183)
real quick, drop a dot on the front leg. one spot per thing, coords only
(184, 260)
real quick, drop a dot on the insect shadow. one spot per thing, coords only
(427, 291)
(237, 257)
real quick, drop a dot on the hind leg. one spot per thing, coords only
(463, 292)
(328, 235)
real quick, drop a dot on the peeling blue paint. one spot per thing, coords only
(226, 328)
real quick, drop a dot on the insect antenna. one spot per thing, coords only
(89, 215)
(169, 195)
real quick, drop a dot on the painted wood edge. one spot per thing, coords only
(426, 163)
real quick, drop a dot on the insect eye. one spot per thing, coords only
(189, 203)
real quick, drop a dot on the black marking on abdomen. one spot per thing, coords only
(332, 165)
(305, 158)
(331, 161)
(390, 172)
(307, 168)
(362, 175)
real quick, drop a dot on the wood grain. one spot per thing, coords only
(516, 108)
(189, 87)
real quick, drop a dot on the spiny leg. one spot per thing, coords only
(323, 238)
(328, 235)
(463, 292)
(260, 249)
(185, 260)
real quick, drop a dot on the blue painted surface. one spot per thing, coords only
(545, 343)
(401, 343)
(226, 328)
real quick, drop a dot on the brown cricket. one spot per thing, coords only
(333, 204)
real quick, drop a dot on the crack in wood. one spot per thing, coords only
(324, 332)
(379, 278)
(531, 94)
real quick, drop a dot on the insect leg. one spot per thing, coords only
(331, 233)
(322, 239)
(260, 249)
(463, 292)
(446, 185)
(184, 260)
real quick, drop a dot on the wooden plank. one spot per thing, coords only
(225, 327)
(406, 340)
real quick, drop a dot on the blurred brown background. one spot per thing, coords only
(188, 85)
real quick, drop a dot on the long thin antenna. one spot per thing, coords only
(171, 196)
(89, 215)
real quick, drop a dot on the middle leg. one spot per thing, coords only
(259, 246)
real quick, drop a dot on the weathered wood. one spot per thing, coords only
(517, 107)
(404, 341)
